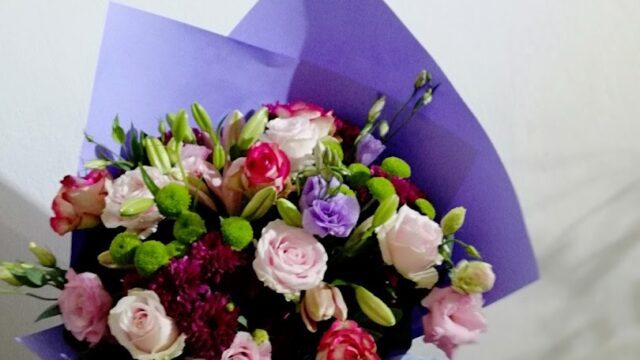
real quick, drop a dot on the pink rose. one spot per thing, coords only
(454, 319)
(346, 340)
(266, 165)
(409, 241)
(84, 305)
(127, 187)
(289, 259)
(79, 202)
(140, 324)
(297, 130)
(244, 347)
(322, 303)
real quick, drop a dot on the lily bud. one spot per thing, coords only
(453, 221)
(322, 303)
(44, 256)
(260, 203)
(231, 129)
(375, 309)
(137, 206)
(253, 129)
(180, 128)
(6, 276)
(472, 277)
(289, 212)
(202, 118)
(157, 154)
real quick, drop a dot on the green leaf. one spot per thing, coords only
(35, 276)
(148, 181)
(51, 311)
(117, 132)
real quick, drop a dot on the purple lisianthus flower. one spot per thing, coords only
(369, 148)
(315, 188)
(335, 216)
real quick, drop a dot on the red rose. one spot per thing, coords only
(79, 202)
(346, 340)
(266, 165)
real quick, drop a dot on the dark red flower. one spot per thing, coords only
(407, 191)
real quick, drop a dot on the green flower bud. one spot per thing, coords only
(44, 256)
(360, 174)
(219, 156)
(176, 249)
(423, 77)
(289, 212)
(260, 336)
(202, 118)
(396, 167)
(172, 200)
(137, 206)
(253, 129)
(424, 100)
(472, 251)
(383, 128)
(180, 127)
(7, 277)
(150, 256)
(157, 154)
(380, 188)
(344, 189)
(374, 308)
(123, 248)
(472, 277)
(189, 227)
(236, 232)
(385, 211)
(260, 203)
(453, 221)
(332, 145)
(426, 208)
(376, 109)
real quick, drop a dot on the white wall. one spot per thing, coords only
(554, 82)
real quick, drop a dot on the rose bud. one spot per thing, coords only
(321, 303)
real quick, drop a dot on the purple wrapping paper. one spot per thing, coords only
(324, 53)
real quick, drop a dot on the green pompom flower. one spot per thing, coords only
(236, 232)
(123, 248)
(426, 208)
(176, 249)
(173, 200)
(396, 167)
(380, 188)
(189, 227)
(150, 256)
(359, 174)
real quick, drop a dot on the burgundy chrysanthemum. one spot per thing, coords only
(407, 191)
(185, 290)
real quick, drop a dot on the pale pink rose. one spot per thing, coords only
(289, 259)
(322, 303)
(409, 241)
(244, 347)
(346, 340)
(131, 186)
(140, 324)
(84, 305)
(454, 319)
(79, 202)
(297, 130)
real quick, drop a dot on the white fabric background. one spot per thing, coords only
(554, 82)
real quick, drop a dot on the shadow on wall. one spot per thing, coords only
(23, 221)
(590, 269)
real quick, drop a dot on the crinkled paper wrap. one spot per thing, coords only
(338, 54)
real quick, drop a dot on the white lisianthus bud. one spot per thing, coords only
(472, 277)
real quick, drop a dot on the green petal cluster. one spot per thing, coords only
(189, 227)
(236, 232)
(172, 200)
(123, 248)
(396, 167)
(150, 256)
(380, 188)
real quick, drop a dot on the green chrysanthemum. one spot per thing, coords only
(173, 200)
(380, 188)
(150, 256)
(189, 227)
(176, 249)
(123, 248)
(236, 232)
(359, 174)
(396, 167)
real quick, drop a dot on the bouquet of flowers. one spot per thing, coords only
(294, 231)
